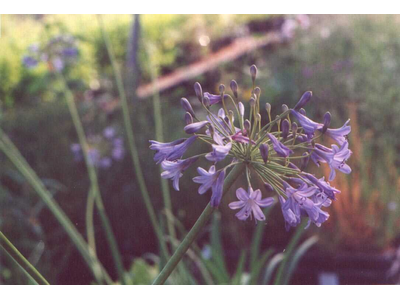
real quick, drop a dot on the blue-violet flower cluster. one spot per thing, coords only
(277, 151)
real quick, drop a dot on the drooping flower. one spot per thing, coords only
(309, 126)
(340, 134)
(172, 150)
(335, 157)
(220, 150)
(195, 127)
(300, 201)
(174, 169)
(324, 186)
(213, 180)
(249, 204)
(279, 148)
(214, 99)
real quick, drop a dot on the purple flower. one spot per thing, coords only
(70, 52)
(194, 127)
(220, 151)
(118, 153)
(214, 99)
(109, 132)
(300, 201)
(339, 134)
(335, 157)
(213, 180)
(171, 151)
(290, 212)
(174, 169)
(29, 62)
(249, 204)
(309, 126)
(105, 162)
(93, 156)
(58, 64)
(305, 98)
(325, 187)
(279, 148)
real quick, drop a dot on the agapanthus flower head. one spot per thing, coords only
(276, 150)
(58, 52)
(103, 149)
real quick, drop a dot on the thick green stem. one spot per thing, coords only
(93, 178)
(21, 260)
(9, 149)
(131, 142)
(200, 223)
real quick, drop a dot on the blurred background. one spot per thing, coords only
(351, 63)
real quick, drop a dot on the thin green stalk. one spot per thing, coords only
(89, 220)
(19, 161)
(93, 178)
(160, 137)
(200, 223)
(131, 142)
(21, 260)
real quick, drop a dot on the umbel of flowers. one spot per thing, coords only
(277, 151)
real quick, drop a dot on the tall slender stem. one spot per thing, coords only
(9, 149)
(93, 178)
(21, 260)
(131, 142)
(200, 223)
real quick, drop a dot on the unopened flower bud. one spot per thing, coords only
(268, 187)
(252, 101)
(186, 106)
(257, 92)
(241, 108)
(284, 107)
(253, 73)
(294, 128)
(303, 100)
(302, 111)
(247, 125)
(304, 161)
(268, 107)
(234, 88)
(199, 91)
(258, 117)
(188, 118)
(293, 166)
(285, 128)
(221, 88)
(327, 121)
(264, 152)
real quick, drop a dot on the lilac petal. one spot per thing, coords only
(236, 204)
(217, 189)
(242, 195)
(258, 214)
(265, 202)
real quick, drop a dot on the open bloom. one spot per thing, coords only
(335, 157)
(300, 201)
(340, 134)
(324, 186)
(172, 150)
(249, 204)
(220, 150)
(279, 148)
(213, 180)
(309, 126)
(174, 169)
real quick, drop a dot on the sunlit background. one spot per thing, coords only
(351, 63)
